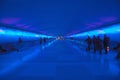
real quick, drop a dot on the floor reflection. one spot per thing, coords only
(8, 65)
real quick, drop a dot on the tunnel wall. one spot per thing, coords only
(12, 35)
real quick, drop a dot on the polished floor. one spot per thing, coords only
(58, 60)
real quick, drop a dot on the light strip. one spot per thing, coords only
(109, 30)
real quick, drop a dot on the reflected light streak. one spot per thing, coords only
(25, 58)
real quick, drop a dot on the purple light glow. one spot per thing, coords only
(77, 31)
(26, 26)
(108, 19)
(19, 25)
(93, 25)
(42, 32)
(101, 22)
(98, 23)
(90, 25)
(74, 32)
(9, 20)
(32, 28)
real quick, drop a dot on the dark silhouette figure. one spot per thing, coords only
(40, 41)
(72, 38)
(45, 40)
(106, 42)
(89, 42)
(2, 49)
(95, 43)
(118, 50)
(20, 40)
(99, 44)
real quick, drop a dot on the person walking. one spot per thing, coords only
(89, 42)
(95, 43)
(99, 44)
(106, 42)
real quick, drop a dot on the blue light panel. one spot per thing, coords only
(18, 33)
(114, 29)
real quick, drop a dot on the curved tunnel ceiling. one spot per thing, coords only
(58, 17)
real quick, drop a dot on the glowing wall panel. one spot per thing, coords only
(114, 29)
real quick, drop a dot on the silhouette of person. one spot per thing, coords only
(106, 42)
(2, 50)
(99, 44)
(20, 40)
(72, 38)
(118, 49)
(45, 40)
(95, 43)
(89, 42)
(40, 41)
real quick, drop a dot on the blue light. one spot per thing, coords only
(109, 30)
(18, 63)
(18, 33)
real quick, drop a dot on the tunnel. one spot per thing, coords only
(59, 39)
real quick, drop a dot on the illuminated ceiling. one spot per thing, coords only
(59, 17)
